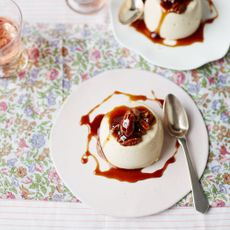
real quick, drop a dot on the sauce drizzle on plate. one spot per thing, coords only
(131, 176)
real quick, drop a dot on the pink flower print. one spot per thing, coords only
(220, 61)
(22, 74)
(53, 176)
(22, 143)
(34, 54)
(79, 49)
(24, 192)
(10, 195)
(211, 80)
(209, 127)
(3, 106)
(74, 199)
(39, 168)
(4, 171)
(179, 78)
(195, 76)
(95, 55)
(223, 150)
(218, 203)
(125, 52)
(84, 77)
(53, 74)
(19, 152)
(9, 122)
(27, 180)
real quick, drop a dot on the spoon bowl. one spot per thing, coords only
(177, 124)
(176, 118)
(130, 11)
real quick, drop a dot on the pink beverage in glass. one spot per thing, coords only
(12, 56)
(85, 6)
(10, 42)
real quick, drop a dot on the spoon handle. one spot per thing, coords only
(200, 201)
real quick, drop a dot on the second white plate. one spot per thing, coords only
(215, 46)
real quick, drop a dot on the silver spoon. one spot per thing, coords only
(130, 11)
(177, 124)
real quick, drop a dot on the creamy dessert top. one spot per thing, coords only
(173, 19)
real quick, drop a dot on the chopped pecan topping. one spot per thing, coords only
(128, 125)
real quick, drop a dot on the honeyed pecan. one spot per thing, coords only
(132, 141)
(144, 124)
(128, 123)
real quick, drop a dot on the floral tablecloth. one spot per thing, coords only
(61, 56)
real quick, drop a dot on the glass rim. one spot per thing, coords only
(69, 4)
(19, 24)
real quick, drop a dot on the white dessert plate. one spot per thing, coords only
(111, 196)
(215, 46)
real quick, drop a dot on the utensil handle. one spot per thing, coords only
(200, 201)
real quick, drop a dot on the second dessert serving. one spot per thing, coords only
(175, 22)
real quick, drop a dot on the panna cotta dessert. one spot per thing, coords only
(131, 137)
(173, 19)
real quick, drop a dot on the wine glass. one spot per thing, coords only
(85, 6)
(12, 56)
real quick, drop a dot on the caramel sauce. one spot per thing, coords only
(155, 37)
(140, 26)
(93, 132)
(210, 3)
(133, 97)
(131, 176)
(157, 31)
(160, 101)
(212, 8)
(135, 175)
